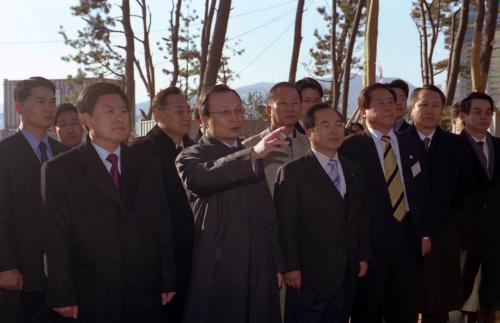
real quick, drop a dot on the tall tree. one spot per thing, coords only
(371, 36)
(431, 19)
(455, 52)
(205, 40)
(331, 52)
(147, 77)
(217, 44)
(348, 59)
(482, 43)
(174, 36)
(297, 39)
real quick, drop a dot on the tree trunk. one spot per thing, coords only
(296, 41)
(341, 44)
(174, 26)
(435, 25)
(333, 38)
(453, 36)
(485, 58)
(371, 42)
(129, 59)
(457, 51)
(205, 40)
(476, 46)
(348, 57)
(423, 14)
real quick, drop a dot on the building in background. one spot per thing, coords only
(67, 90)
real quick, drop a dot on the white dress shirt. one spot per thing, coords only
(380, 144)
(323, 160)
(103, 154)
(422, 136)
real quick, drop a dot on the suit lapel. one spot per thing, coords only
(318, 175)
(97, 172)
(128, 178)
(349, 177)
(27, 151)
(491, 155)
(373, 162)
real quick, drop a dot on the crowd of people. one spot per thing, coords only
(311, 220)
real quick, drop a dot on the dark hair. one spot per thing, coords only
(357, 124)
(365, 98)
(467, 102)
(400, 84)
(24, 87)
(310, 118)
(279, 85)
(161, 97)
(219, 88)
(455, 109)
(308, 83)
(428, 87)
(89, 96)
(65, 107)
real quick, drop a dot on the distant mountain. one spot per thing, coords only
(355, 88)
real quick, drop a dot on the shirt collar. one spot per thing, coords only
(378, 135)
(34, 141)
(103, 153)
(233, 145)
(480, 139)
(430, 136)
(324, 159)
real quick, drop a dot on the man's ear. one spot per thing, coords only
(85, 119)
(269, 110)
(19, 107)
(309, 133)
(362, 112)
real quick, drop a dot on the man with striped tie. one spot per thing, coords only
(323, 222)
(398, 201)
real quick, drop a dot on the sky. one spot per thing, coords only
(30, 44)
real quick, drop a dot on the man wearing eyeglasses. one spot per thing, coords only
(237, 261)
(166, 140)
(284, 109)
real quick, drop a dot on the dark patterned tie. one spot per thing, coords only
(43, 152)
(115, 174)
(178, 150)
(427, 142)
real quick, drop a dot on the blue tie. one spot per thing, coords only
(334, 173)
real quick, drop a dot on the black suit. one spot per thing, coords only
(21, 220)
(390, 285)
(109, 250)
(403, 127)
(451, 184)
(158, 143)
(477, 228)
(299, 128)
(322, 234)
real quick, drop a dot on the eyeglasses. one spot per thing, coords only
(227, 113)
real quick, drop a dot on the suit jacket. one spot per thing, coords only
(361, 149)
(299, 128)
(451, 185)
(403, 127)
(321, 233)
(300, 146)
(158, 143)
(109, 250)
(21, 219)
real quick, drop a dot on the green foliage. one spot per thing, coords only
(322, 54)
(446, 119)
(255, 106)
(95, 51)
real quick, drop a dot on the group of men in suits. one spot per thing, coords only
(396, 220)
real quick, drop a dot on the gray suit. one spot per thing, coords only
(299, 147)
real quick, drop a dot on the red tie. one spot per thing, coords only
(115, 174)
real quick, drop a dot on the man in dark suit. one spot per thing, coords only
(323, 224)
(402, 91)
(110, 257)
(450, 186)
(310, 92)
(237, 260)
(166, 140)
(400, 220)
(479, 240)
(22, 277)
(67, 125)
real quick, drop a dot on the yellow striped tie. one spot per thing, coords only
(394, 181)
